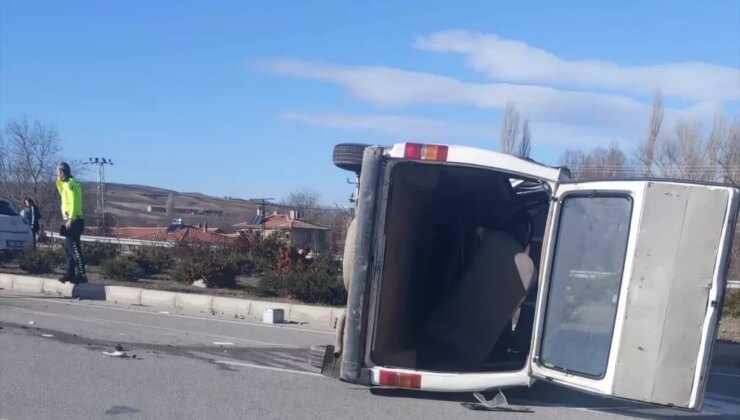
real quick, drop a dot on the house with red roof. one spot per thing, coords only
(293, 230)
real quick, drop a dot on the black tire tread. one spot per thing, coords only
(348, 156)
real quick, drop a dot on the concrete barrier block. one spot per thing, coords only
(28, 284)
(123, 294)
(258, 307)
(6, 281)
(158, 298)
(319, 315)
(57, 288)
(190, 301)
(231, 306)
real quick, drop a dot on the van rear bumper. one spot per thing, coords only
(459, 382)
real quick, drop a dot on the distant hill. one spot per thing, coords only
(129, 204)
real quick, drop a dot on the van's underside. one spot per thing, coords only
(457, 286)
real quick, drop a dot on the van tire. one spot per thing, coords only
(348, 156)
(348, 258)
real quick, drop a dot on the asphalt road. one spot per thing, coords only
(205, 366)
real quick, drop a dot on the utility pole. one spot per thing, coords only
(100, 208)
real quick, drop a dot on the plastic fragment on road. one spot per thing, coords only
(47, 335)
(115, 353)
(498, 403)
(200, 283)
(31, 323)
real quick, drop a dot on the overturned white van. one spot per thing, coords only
(612, 287)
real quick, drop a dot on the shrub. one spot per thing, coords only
(261, 251)
(122, 268)
(732, 304)
(38, 262)
(310, 281)
(213, 264)
(7, 256)
(154, 260)
(97, 252)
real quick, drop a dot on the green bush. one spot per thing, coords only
(122, 268)
(7, 256)
(154, 260)
(214, 264)
(310, 281)
(97, 252)
(732, 304)
(38, 262)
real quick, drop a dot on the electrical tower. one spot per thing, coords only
(100, 207)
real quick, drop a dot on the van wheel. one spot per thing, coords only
(349, 253)
(348, 156)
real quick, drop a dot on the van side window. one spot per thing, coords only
(585, 279)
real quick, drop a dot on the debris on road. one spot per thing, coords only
(498, 403)
(115, 353)
(119, 347)
(47, 335)
(31, 323)
(223, 343)
(200, 283)
(164, 312)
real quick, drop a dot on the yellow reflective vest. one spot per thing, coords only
(71, 193)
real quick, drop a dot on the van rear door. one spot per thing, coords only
(632, 280)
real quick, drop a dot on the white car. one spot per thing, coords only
(15, 234)
(626, 303)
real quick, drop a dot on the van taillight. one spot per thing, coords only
(426, 152)
(400, 380)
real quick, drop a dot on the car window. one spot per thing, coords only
(585, 280)
(6, 209)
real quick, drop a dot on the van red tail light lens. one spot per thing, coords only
(426, 152)
(400, 380)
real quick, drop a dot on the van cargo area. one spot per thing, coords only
(456, 292)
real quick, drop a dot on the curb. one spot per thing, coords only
(319, 315)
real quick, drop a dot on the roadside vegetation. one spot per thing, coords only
(253, 265)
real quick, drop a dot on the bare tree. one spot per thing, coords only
(306, 201)
(509, 129)
(29, 152)
(646, 152)
(599, 163)
(525, 144)
(729, 154)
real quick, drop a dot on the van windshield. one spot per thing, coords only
(6, 209)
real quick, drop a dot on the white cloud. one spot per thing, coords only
(398, 127)
(394, 88)
(515, 61)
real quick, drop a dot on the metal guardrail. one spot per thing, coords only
(115, 241)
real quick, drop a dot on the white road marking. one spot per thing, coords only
(276, 369)
(731, 375)
(252, 324)
(175, 330)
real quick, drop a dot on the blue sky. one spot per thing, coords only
(248, 98)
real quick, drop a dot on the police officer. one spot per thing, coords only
(70, 192)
